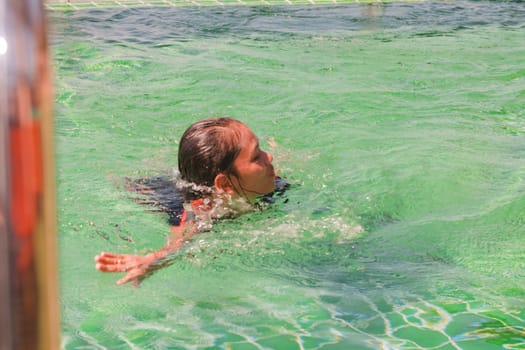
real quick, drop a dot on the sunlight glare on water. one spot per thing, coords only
(400, 126)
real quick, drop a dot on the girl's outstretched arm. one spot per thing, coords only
(138, 267)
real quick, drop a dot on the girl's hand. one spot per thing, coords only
(135, 266)
(138, 267)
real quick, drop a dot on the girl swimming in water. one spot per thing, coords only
(223, 173)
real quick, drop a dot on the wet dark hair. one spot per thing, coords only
(207, 148)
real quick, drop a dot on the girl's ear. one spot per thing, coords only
(223, 182)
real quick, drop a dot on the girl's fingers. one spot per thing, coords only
(109, 262)
(109, 267)
(131, 276)
(117, 259)
(108, 255)
(106, 260)
(112, 264)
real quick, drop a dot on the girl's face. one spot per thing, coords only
(255, 173)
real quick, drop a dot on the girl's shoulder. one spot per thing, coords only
(160, 194)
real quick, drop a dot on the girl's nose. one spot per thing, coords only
(269, 156)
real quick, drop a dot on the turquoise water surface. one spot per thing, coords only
(400, 125)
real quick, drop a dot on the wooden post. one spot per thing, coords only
(27, 192)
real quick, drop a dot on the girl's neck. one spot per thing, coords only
(218, 206)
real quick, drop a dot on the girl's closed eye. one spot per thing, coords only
(256, 155)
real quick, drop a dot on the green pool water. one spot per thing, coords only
(401, 126)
